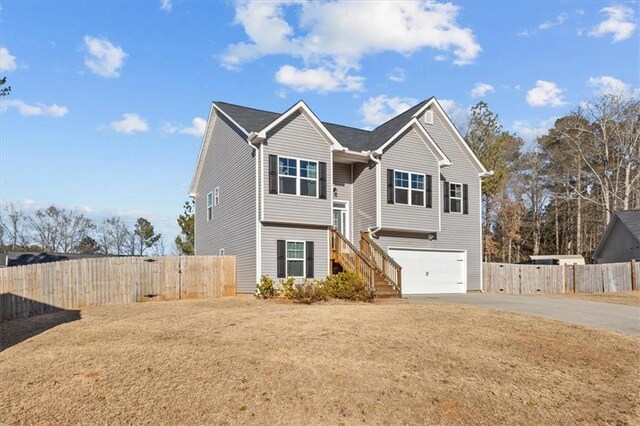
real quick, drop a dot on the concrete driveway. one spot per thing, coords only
(606, 316)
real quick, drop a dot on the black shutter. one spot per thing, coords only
(390, 186)
(309, 253)
(273, 174)
(428, 191)
(282, 260)
(465, 199)
(322, 191)
(446, 196)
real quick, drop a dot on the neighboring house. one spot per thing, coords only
(290, 195)
(621, 240)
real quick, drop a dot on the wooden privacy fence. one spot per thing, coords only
(48, 287)
(532, 279)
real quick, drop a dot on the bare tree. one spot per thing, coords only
(73, 227)
(112, 235)
(15, 222)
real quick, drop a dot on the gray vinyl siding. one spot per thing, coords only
(364, 198)
(620, 245)
(458, 231)
(410, 154)
(344, 189)
(296, 138)
(228, 164)
(272, 233)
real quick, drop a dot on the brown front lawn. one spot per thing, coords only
(239, 360)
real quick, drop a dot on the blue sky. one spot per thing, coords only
(109, 98)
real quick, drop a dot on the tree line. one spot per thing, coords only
(56, 229)
(557, 196)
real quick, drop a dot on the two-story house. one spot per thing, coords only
(290, 195)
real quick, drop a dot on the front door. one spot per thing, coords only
(340, 217)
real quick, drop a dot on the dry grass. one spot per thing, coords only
(236, 360)
(631, 298)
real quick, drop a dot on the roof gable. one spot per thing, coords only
(630, 219)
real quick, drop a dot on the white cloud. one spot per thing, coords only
(397, 75)
(7, 60)
(166, 5)
(377, 110)
(130, 123)
(104, 58)
(198, 125)
(545, 93)
(197, 128)
(53, 110)
(607, 85)
(531, 130)
(440, 58)
(620, 23)
(481, 89)
(550, 24)
(320, 79)
(332, 37)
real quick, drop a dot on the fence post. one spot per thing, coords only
(575, 276)
(634, 276)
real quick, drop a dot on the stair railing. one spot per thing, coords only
(389, 268)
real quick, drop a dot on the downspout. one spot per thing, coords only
(256, 151)
(378, 227)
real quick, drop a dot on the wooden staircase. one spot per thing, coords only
(379, 271)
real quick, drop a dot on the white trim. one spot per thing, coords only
(427, 249)
(262, 134)
(481, 254)
(204, 146)
(299, 178)
(258, 202)
(235, 123)
(461, 198)
(409, 188)
(408, 230)
(442, 158)
(351, 196)
(483, 172)
(221, 252)
(378, 195)
(304, 258)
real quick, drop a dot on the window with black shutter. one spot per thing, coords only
(273, 174)
(428, 193)
(282, 259)
(446, 196)
(323, 181)
(309, 254)
(390, 187)
(465, 199)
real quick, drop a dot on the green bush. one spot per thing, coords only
(286, 287)
(266, 288)
(349, 286)
(309, 292)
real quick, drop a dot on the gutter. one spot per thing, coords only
(256, 150)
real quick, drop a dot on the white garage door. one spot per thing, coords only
(430, 271)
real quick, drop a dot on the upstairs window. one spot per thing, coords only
(209, 206)
(216, 196)
(297, 177)
(409, 188)
(455, 197)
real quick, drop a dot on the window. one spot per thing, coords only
(298, 177)
(288, 171)
(455, 197)
(209, 206)
(216, 196)
(221, 252)
(409, 188)
(295, 258)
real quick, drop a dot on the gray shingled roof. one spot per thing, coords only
(631, 218)
(254, 120)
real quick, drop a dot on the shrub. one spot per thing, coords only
(286, 287)
(266, 289)
(308, 292)
(349, 286)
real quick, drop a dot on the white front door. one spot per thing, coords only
(431, 271)
(341, 217)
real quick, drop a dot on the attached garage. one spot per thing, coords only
(431, 271)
